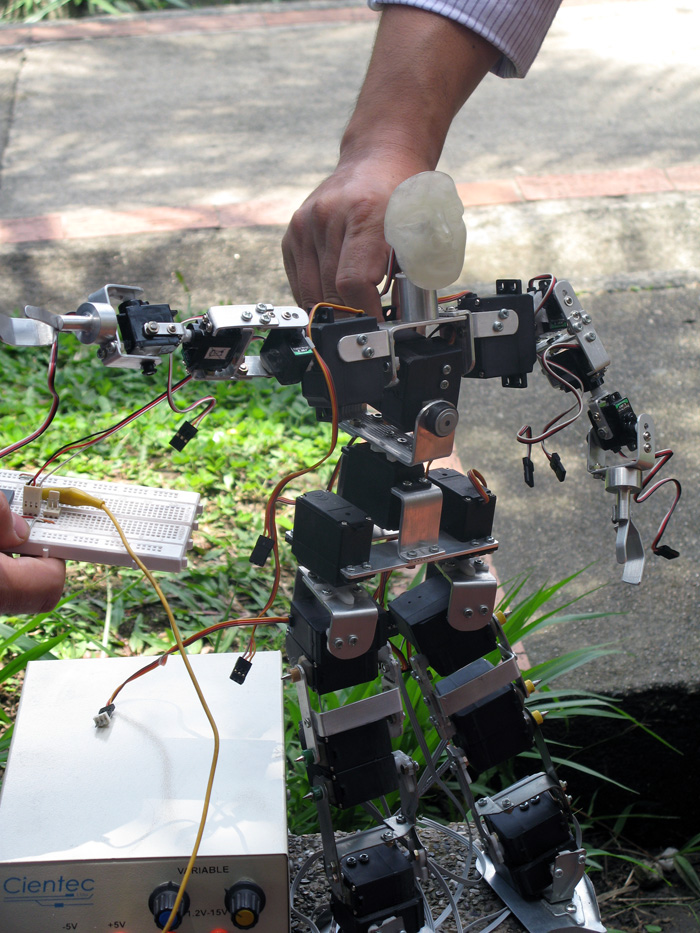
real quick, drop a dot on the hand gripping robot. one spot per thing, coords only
(393, 387)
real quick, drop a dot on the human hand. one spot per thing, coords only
(334, 249)
(27, 584)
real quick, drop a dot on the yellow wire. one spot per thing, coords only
(215, 757)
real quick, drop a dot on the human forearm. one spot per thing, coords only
(423, 68)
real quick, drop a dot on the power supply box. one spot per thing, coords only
(97, 824)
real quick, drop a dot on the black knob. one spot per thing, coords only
(245, 902)
(162, 901)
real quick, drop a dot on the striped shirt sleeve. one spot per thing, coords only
(515, 27)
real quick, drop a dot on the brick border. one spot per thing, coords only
(270, 211)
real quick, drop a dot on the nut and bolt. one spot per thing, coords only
(151, 327)
(243, 368)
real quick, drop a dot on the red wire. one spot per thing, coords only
(52, 411)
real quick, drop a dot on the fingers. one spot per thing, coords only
(27, 584)
(334, 249)
(30, 584)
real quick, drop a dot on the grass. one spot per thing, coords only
(256, 433)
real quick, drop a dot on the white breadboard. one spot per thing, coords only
(158, 523)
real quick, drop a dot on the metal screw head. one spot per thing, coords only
(568, 300)
(361, 339)
(366, 565)
(307, 722)
(481, 802)
(498, 325)
(172, 328)
(387, 834)
(591, 336)
(445, 384)
(571, 908)
(558, 872)
(446, 369)
(286, 315)
(576, 327)
(266, 318)
(368, 353)
(504, 313)
(261, 307)
(468, 613)
(434, 548)
(151, 327)
(483, 610)
(582, 859)
(412, 553)
(506, 803)
(243, 368)
(247, 315)
(400, 818)
(402, 440)
(352, 640)
(364, 858)
(338, 642)
(351, 861)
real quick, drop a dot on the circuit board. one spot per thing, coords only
(158, 523)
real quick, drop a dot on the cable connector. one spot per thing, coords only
(183, 436)
(104, 717)
(665, 551)
(558, 467)
(261, 551)
(528, 472)
(240, 670)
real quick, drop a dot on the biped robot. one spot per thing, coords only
(393, 387)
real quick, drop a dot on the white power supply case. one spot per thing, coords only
(95, 822)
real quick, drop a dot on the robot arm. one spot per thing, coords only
(395, 384)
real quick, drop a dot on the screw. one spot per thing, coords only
(498, 325)
(351, 861)
(559, 873)
(261, 307)
(434, 548)
(571, 908)
(445, 384)
(446, 369)
(591, 336)
(286, 315)
(400, 818)
(646, 436)
(151, 327)
(483, 610)
(364, 858)
(577, 327)
(338, 642)
(586, 318)
(647, 448)
(307, 722)
(387, 834)
(481, 802)
(503, 313)
(402, 440)
(568, 300)
(243, 368)
(350, 568)
(172, 329)
(361, 339)
(412, 553)
(326, 592)
(468, 612)
(406, 483)
(582, 859)
(368, 353)
(366, 565)
(247, 315)
(352, 640)
(506, 803)
(266, 318)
